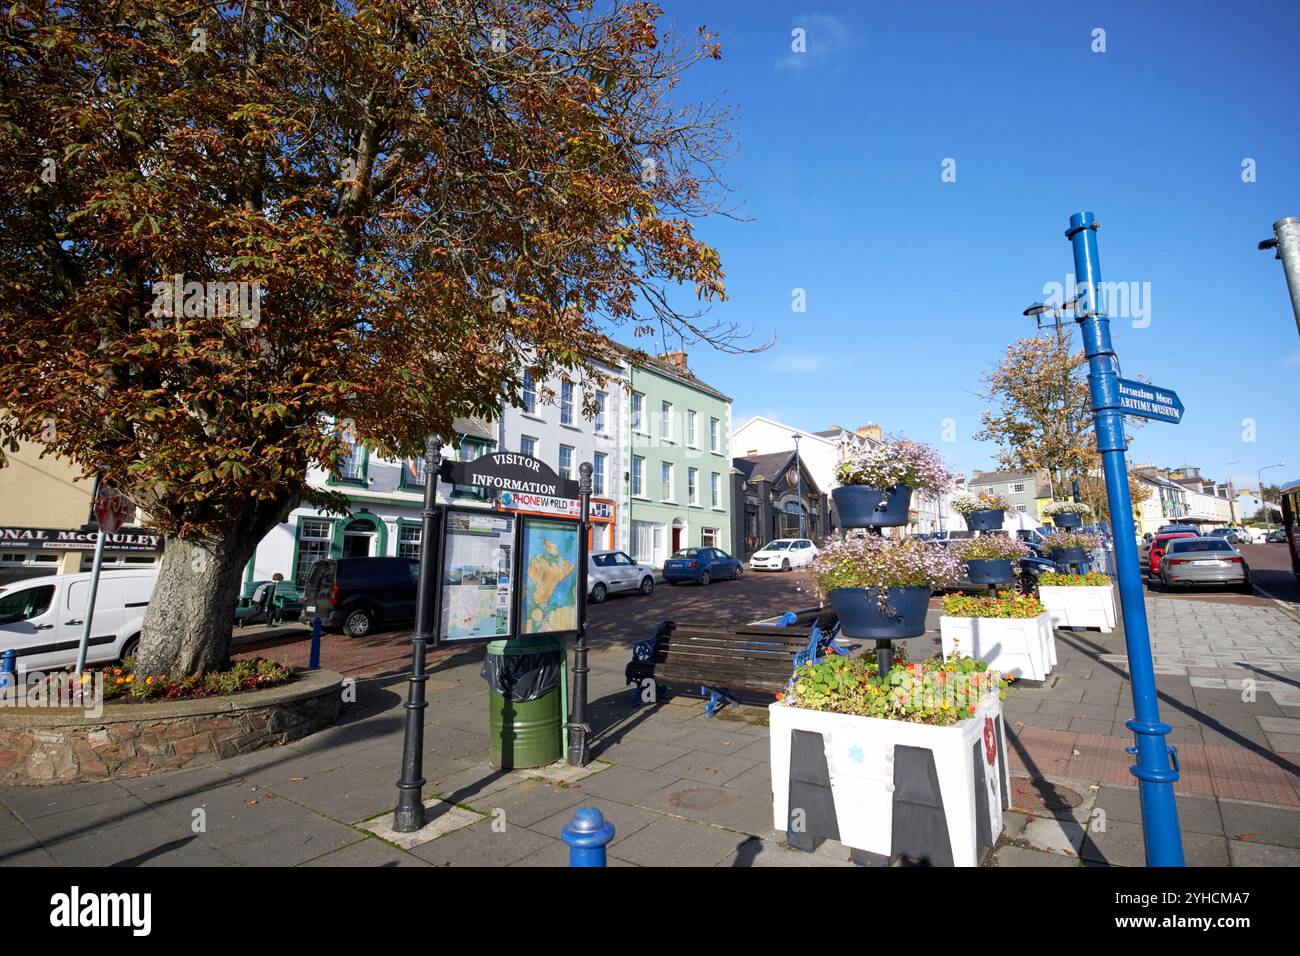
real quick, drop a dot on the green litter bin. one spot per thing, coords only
(525, 701)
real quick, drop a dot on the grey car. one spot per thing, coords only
(610, 571)
(1210, 560)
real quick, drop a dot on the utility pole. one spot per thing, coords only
(1286, 240)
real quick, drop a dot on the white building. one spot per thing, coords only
(820, 451)
(552, 426)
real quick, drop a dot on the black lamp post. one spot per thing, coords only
(409, 815)
(578, 728)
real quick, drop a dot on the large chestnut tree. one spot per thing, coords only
(425, 198)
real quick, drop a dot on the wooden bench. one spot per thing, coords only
(724, 662)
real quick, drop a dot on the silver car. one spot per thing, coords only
(610, 571)
(1209, 560)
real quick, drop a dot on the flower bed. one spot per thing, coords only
(1011, 632)
(123, 685)
(1079, 600)
(909, 765)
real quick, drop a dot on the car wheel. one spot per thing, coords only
(1026, 584)
(130, 648)
(705, 579)
(1152, 584)
(785, 564)
(1246, 587)
(647, 585)
(358, 623)
(599, 593)
(740, 571)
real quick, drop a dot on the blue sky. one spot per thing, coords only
(914, 285)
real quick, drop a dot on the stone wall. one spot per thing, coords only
(51, 745)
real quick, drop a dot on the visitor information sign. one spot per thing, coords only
(477, 576)
(550, 577)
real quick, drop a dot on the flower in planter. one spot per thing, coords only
(1006, 605)
(990, 547)
(966, 503)
(1093, 579)
(898, 461)
(937, 691)
(1066, 508)
(1072, 539)
(872, 561)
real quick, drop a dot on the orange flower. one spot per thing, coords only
(119, 681)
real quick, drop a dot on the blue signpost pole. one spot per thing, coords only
(1157, 762)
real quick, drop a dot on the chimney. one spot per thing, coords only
(869, 431)
(678, 361)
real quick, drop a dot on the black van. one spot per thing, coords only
(360, 594)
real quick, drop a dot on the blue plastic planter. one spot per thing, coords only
(1069, 555)
(989, 519)
(860, 616)
(990, 570)
(1067, 519)
(857, 506)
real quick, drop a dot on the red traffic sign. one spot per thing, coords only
(111, 507)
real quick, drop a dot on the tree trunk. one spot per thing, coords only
(187, 628)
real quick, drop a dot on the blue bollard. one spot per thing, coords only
(587, 834)
(8, 668)
(314, 663)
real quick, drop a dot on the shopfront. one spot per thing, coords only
(33, 552)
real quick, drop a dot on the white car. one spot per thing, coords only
(784, 554)
(41, 618)
(609, 571)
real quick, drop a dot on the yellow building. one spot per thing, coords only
(44, 505)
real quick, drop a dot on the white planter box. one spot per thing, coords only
(1025, 647)
(1076, 607)
(860, 758)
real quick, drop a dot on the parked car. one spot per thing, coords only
(357, 595)
(1276, 537)
(943, 537)
(1209, 560)
(611, 571)
(1025, 582)
(783, 554)
(701, 565)
(1157, 551)
(41, 618)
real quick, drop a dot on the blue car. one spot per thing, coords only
(701, 565)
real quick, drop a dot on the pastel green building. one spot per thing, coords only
(676, 460)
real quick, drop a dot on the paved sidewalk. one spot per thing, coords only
(684, 790)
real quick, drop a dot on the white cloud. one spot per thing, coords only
(798, 364)
(825, 39)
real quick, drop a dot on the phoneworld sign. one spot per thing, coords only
(523, 501)
(1149, 401)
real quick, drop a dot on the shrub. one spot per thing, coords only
(898, 461)
(1066, 507)
(872, 561)
(1007, 604)
(1072, 539)
(990, 547)
(937, 691)
(121, 681)
(966, 503)
(1093, 579)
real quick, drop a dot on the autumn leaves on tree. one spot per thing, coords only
(423, 200)
(1041, 417)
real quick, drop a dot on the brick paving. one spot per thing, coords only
(684, 790)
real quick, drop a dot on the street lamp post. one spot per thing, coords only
(579, 730)
(1157, 767)
(1286, 240)
(1263, 502)
(409, 815)
(798, 470)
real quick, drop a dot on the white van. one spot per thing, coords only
(41, 618)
